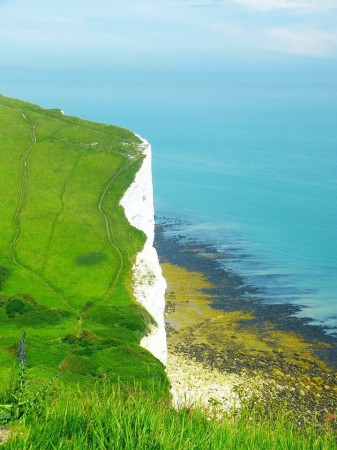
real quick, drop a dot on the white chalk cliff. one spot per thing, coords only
(149, 283)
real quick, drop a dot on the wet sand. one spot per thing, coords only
(222, 338)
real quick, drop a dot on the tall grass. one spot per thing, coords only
(133, 419)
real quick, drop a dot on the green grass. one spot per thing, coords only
(66, 248)
(132, 419)
(66, 252)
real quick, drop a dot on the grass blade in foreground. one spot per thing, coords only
(133, 420)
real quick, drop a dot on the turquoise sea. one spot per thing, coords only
(248, 160)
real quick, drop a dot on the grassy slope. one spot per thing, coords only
(66, 248)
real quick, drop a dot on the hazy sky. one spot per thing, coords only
(164, 33)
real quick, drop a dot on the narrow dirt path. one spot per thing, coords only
(108, 226)
(23, 191)
(58, 214)
(21, 205)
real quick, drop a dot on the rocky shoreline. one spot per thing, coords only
(224, 346)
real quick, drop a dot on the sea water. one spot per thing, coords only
(248, 161)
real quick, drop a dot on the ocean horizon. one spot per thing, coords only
(247, 161)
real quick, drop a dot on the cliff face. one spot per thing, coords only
(149, 284)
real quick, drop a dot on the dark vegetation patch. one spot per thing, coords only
(88, 343)
(126, 363)
(23, 309)
(90, 259)
(80, 364)
(4, 273)
(132, 317)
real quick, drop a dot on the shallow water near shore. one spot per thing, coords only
(221, 341)
(247, 160)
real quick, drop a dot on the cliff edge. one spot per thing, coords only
(149, 283)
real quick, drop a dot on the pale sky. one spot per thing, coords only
(164, 33)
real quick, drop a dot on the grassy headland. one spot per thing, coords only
(66, 248)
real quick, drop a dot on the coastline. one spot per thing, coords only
(149, 283)
(220, 339)
(220, 346)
